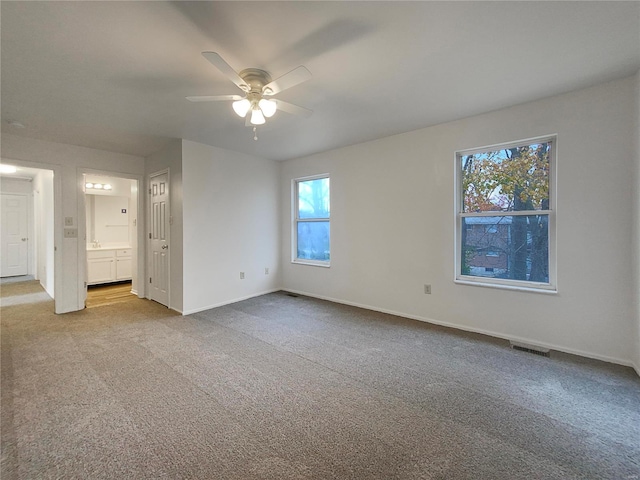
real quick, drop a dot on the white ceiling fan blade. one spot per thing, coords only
(288, 80)
(218, 62)
(214, 98)
(293, 109)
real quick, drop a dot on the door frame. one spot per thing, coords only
(147, 240)
(82, 230)
(57, 222)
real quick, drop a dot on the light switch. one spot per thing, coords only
(68, 221)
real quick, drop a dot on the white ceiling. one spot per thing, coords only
(113, 75)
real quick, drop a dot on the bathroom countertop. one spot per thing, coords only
(110, 247)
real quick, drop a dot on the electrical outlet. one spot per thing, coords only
(427, 289)
(241, 275)
(266, 270)
(70, 233)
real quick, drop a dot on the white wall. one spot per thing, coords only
(171, 158)
(43, 200)
(68, 160)
(231, 225)
(392, 226)
(636, 225)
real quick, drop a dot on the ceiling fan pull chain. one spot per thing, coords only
(255, 133)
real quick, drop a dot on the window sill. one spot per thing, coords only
(546, 289)
(311, 263)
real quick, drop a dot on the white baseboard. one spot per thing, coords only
(228, 302)
(551, 346)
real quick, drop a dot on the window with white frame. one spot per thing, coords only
(311, 225)
(505, 226)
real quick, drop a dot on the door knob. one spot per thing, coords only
(24, 239)
(164, 247)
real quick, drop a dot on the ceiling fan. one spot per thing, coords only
(258, 88)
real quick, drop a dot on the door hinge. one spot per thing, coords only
(149, 191)
(149, 279)
(149, 235)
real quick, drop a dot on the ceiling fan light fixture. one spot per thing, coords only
(257, 118)
(241, 107)
(268, 107)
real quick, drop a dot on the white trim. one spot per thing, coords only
(311, 263)
(507, 284)
(551, 346)
(228, 302)
(508, 213)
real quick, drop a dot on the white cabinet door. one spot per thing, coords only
(101, 270)
(123, 268)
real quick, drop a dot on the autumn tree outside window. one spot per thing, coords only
(505, 226)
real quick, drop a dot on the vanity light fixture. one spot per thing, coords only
(98, 186)
(8, 169)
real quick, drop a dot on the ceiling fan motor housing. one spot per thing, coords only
(256, 79)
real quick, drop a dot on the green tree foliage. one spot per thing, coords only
(506, 180)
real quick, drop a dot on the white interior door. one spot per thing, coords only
(14, 236)
(159, 238)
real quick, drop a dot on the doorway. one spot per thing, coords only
(27, 233)
(111, 233)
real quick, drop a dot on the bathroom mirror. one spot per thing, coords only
(107, 220)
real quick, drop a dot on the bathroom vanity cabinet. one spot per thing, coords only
(105, 265)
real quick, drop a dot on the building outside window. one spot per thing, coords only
(311, 225)
(505, 226)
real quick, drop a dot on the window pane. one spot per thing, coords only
(512, 179)
(313, 240)
(313, 198)
(518, 250)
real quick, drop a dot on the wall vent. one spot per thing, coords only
(525, 347)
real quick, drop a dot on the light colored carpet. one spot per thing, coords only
(16, 279)
(296, 388)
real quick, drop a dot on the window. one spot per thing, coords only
(505, 230)
(311, 229)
